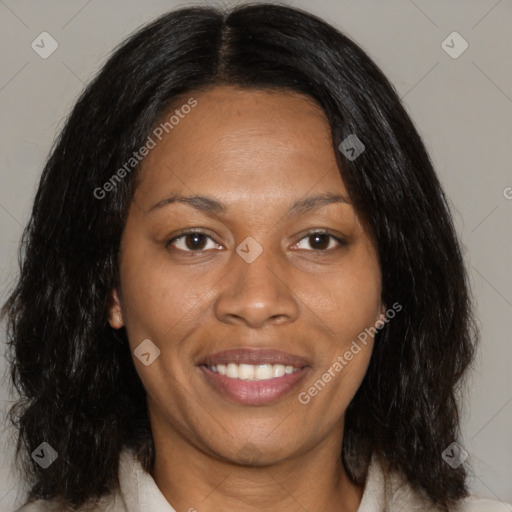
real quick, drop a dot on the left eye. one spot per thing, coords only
(320, 238)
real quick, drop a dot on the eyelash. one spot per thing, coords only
(341, 242)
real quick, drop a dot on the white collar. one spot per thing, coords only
(138, 489)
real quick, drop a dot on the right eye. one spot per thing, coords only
(191, 241)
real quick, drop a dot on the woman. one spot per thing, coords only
(241, 288)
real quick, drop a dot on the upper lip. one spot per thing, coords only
(255, 356)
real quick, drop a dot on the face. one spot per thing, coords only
(277, 285)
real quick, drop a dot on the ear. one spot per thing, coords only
(115, 314)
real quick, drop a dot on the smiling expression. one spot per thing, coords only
(258, 275)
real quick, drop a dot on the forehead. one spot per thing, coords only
(244, 143)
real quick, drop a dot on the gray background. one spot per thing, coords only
(462, 107)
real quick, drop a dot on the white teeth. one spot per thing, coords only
(253, 372)
(232, 371)
(264, 372)
(246, 371)
(279, 370)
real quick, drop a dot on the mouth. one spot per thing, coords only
(254, 376)
(251, 372)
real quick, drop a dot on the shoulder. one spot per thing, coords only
(121, 499)
(389, 488)
(40, 506)
(109, 503)
(474, 504)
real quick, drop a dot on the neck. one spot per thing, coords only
(192, 479)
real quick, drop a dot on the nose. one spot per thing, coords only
(258, 293)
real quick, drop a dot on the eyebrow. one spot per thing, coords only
(211, 205)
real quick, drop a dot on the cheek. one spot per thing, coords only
(359, 305)
(349, 300)
(160, 301)
(153, 300)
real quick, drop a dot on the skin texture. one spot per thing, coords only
(257, 152)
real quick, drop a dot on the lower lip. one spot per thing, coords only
(257, 392)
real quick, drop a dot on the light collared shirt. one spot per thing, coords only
(382, 493)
